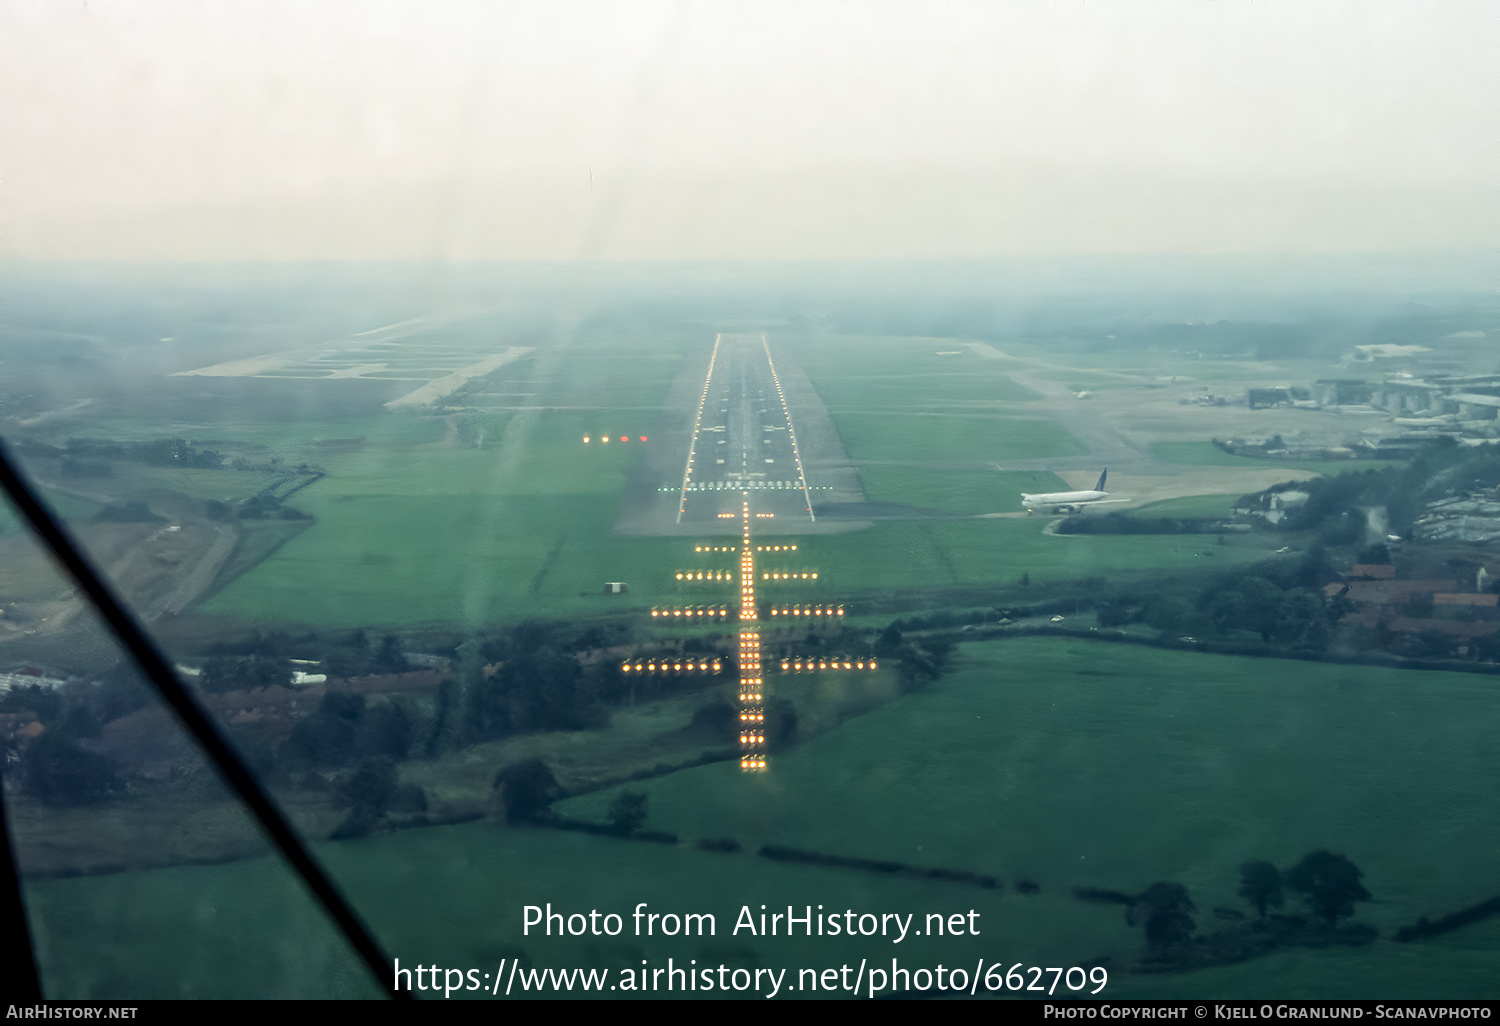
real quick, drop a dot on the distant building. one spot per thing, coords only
(1341, 391)
(1408, 395)
(1465, 599)
(1472, 406)
(1388, 351)
(26, 678)
(1384, 593)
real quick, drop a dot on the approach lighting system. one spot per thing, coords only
(751, 693)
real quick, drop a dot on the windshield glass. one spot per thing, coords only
(795, 500)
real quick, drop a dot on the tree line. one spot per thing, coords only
(1328, 885)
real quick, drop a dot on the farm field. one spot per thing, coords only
(1060, 762)
(68, 507)
(1075, 763)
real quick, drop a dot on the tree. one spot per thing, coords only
(1488, 648)
(1168, 612)
(1165, 911)
(390, 658)
(1433, 644)
(628, 811)
(370, 785)
(228, 673)
(361, 820)
(718, 720)
(1329, 884)
(325, 739)
(781, 724)
(1260, 886)
(122, 690)
(384, 730)
(344, 706)
(57, 770)
(889, 642)
(469, 709)
(47, 703)
(1261, 605)
(526, 790)
(538, 689)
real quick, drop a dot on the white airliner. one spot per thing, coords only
(1068, 502)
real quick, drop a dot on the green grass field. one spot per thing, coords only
(1188, 506)
(910, 391)
(955, 491)
(943, 437)
(419, 526)
(430, 532)
(410, 529)
(1083, 764)
(71, 508)
(1066, 763)
(390, 560)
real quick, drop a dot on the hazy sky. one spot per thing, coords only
(358, 129)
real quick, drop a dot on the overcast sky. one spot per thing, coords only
(306, 129)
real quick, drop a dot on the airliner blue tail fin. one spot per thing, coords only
(1100, 486)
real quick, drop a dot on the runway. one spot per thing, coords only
(756, 429)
